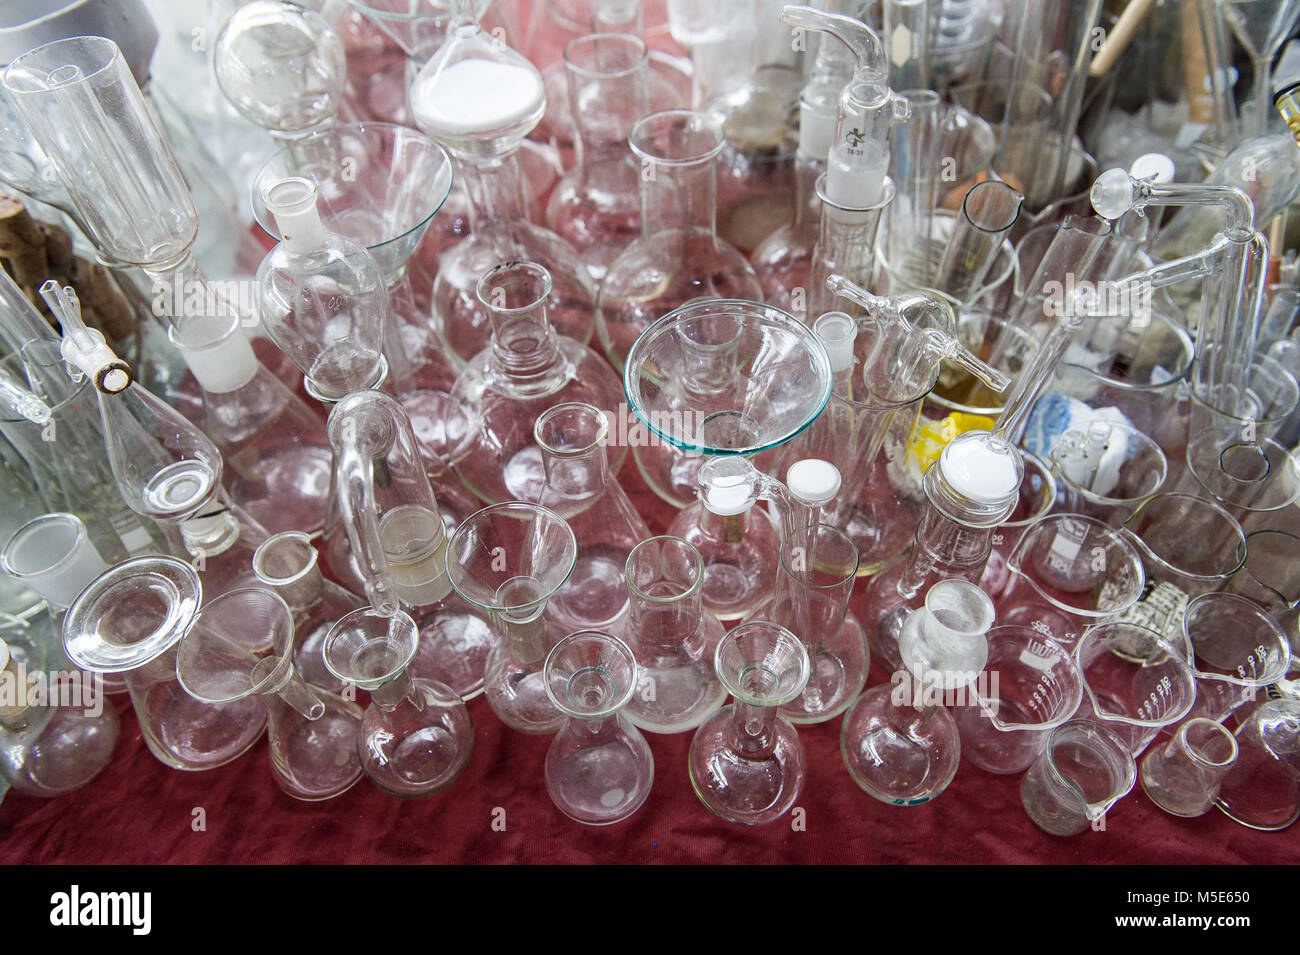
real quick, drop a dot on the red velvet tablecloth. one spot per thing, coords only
(139, 811)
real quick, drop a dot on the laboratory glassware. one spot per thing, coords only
(510, 559)
(530, 366)
(479, 98)
(679, 256)
(415, 737)
(241, 646)
(1237, 649)
(673, 637)
(1082, 771)
(1249, 475)
(747, 764)
(1029, 685)
(1262, 790)
(288, 564)
(398, 538)
(581, 489)
(1183, 776)
(599, 768)
(898, 741)
(1135, 682)
(1261, 27)
(130, 620)
(596, 206)
(1106, 470)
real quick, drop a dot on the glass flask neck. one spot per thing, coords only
(609, 89)
(495, 186)
(724, 528)
(945, 548)
(678, 196)
(753, 730)
(288, 564)
(398, 701)
(525, 347)
(665, 623)
(572, 441)
(211, 533)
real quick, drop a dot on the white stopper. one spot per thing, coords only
(1157, 167)
(293, 203)
(980, 469)
(98, 362)
(837, 331)
(812, 481)
(816, 131)
(222, 366)
(856, 182)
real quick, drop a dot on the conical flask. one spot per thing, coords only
(479, 99)
(399, 540)
(580, 488)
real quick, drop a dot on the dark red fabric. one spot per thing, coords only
(138, 811)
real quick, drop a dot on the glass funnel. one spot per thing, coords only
(530, 366)
(672, 636)
(130, 619)
(399, 540)
(415, 737)
(479, 98)
(47, 747)
(679, 256)
(599, 768)
(1083, 771)
(510, 560)
(898, 741)
(747, 764)
(241, 645)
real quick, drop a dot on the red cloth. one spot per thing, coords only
(138, 811)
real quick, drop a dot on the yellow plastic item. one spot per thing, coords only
(933, 436)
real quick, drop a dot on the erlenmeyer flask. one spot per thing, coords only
(510, 559)
(287, 563)
(479, 99)
(1082, 771)
(599, 768)
(679, 256)
(595, 207)
(580, 488)
(399, 540)
(273, 445)
(240, 646)
(747, 763)
(415, 737)
(898, 741)
(49, 747)
(529, 367)
(130, 620)
(673, 637)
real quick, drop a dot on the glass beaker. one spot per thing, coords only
(1189, 546)
(1262, 791)
(818, 569)
(1183, 776)
(510, 560)
(1083, 771)
(1136, 682)
(130, 620)
(1068, 572)
(679, 256)
(240, 646)
(581, 489)
(1029, 686)
(1250, 476)
(527, 369)
(1107, 470)
(415, 737)
(599, 768)
(672, 636)
(747, 764)
(1237, 649)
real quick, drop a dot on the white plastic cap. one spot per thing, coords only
(980, 470)
(293, 203)
(1156, 167)
(837, 331)
(813, 481)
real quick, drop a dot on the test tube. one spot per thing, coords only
(988, 212)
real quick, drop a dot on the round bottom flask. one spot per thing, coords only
(747, 764)
(599, 768)
(415, 736)
(898, 741)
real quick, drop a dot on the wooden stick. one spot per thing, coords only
(1119, 37)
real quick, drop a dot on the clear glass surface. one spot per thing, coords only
(1082, 771)
(1183, 777)
(1107, 469)
(1262, 791)
(599, 768)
